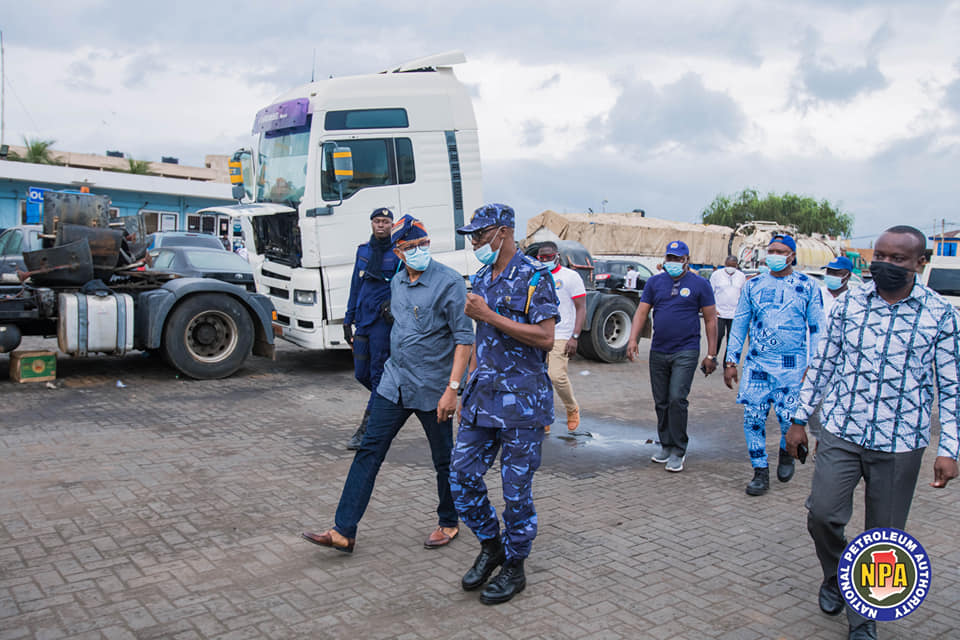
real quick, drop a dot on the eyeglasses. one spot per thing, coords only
(414, 244)
(480, 234)
(546, 257)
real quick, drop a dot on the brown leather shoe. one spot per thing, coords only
(332, 539)
(573, 419)
(440, 538)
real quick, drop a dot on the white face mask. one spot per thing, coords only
(730, 270)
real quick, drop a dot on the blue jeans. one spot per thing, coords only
(671, 375)
(386, 419)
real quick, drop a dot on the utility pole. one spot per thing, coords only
(3, 81)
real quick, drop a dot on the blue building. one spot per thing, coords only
(168, 204)
(945, 244)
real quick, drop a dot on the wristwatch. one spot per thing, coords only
(575, 336)
(714, 358)
(454, 384)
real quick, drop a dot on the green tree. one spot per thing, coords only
(38, 152)
(141, 167)
(805, 213)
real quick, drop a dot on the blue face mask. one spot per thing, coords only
(673, 268)
(486, 254)
(833, 282)
(776, 263)
(417, 259)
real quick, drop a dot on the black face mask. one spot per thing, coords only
(888, 276)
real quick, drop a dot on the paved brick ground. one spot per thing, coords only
(171, 509)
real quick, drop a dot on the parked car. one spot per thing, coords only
(201, 262)
(13, 242)
(162, 239)
(610, 274)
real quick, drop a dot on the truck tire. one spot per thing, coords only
(208, 336)
(609, 332)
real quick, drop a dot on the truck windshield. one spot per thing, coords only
(283, 165)
(945, 281)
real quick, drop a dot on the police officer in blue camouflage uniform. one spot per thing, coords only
(507, 400)
(368, 308)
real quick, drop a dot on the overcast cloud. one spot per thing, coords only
(650, 105)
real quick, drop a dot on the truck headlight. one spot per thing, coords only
(301, 296)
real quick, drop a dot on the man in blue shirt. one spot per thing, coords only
(887, 343)
(678, 297)
(781, 310)
(368, 307)
(507, 401)
(430, 347)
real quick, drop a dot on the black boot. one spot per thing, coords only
(508, 583)
(357, 438)
(760, 483)
(785, 466)
(490, 557)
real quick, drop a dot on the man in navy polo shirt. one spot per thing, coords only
(677, 297)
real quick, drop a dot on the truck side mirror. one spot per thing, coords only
(342, 161)
(241, 173)
(342, 165)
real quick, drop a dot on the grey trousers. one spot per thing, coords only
(671, 375)
(890, 480)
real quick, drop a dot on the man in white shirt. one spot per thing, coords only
(726, 284)
(573, 311)
(630, 278)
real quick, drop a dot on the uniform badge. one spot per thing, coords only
(685, 292)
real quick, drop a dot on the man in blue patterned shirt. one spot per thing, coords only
(887, 343)
(782, 312)
(507, 401)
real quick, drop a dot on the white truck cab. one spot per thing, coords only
(412, 137)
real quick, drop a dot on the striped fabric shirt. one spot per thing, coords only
(876, 368)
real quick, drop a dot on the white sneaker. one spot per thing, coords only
(675, 462)
(662, 456)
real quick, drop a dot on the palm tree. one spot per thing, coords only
(141, 167)
(38, 152)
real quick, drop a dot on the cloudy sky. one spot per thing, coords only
(650, 105)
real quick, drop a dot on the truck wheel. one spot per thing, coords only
(208, 336)
(609, 331)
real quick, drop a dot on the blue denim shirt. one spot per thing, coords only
(428, 322)
(510, 386)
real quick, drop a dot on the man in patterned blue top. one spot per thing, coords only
(782, 311)
(507, 401)
(887, 343)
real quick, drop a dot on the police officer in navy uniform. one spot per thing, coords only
(507, 400)
(368, 309)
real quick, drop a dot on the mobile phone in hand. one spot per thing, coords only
(802, 452)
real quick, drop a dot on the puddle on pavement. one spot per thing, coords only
(605, 442)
